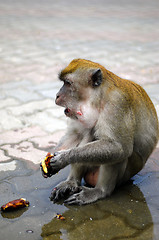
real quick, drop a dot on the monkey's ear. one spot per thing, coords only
(97, 78)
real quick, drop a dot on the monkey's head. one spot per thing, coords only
(81, 90)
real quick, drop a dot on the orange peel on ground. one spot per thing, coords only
(15, 204)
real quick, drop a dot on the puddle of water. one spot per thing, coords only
(132, 212)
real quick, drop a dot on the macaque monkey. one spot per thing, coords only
(113, 130)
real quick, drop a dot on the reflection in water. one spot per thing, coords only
(123, 215)
(14, 214)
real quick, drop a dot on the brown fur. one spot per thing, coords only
(113, 131)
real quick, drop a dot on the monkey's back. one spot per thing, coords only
(146, 132)
(146, 120)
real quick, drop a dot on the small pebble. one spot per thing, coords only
(29, 231)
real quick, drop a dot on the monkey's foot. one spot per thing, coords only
(87, 195)
(64, 190)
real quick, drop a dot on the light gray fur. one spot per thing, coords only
(120, 142)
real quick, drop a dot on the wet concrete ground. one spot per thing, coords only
(37, 39)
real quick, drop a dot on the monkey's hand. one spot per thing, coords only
(64, 190)
(87, 195)
(58, 161)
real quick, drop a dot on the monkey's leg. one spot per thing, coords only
(71, 185)
(107, 180)
(134, 165)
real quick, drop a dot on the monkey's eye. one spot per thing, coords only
(67, 82)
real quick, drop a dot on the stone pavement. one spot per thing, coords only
(37, 39)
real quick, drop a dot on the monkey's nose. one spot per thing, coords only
(57, 96)
(57, 100)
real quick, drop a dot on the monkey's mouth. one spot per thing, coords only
(72, 114)
(67, 112)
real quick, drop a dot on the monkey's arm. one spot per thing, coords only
(114, 143)
(97, 152)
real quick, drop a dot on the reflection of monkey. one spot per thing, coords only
(113, 131)
(125, 215)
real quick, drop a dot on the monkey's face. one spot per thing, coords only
(81, 88)
(72, 96)
(77, 106)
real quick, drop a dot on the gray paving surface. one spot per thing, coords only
(37, 39)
